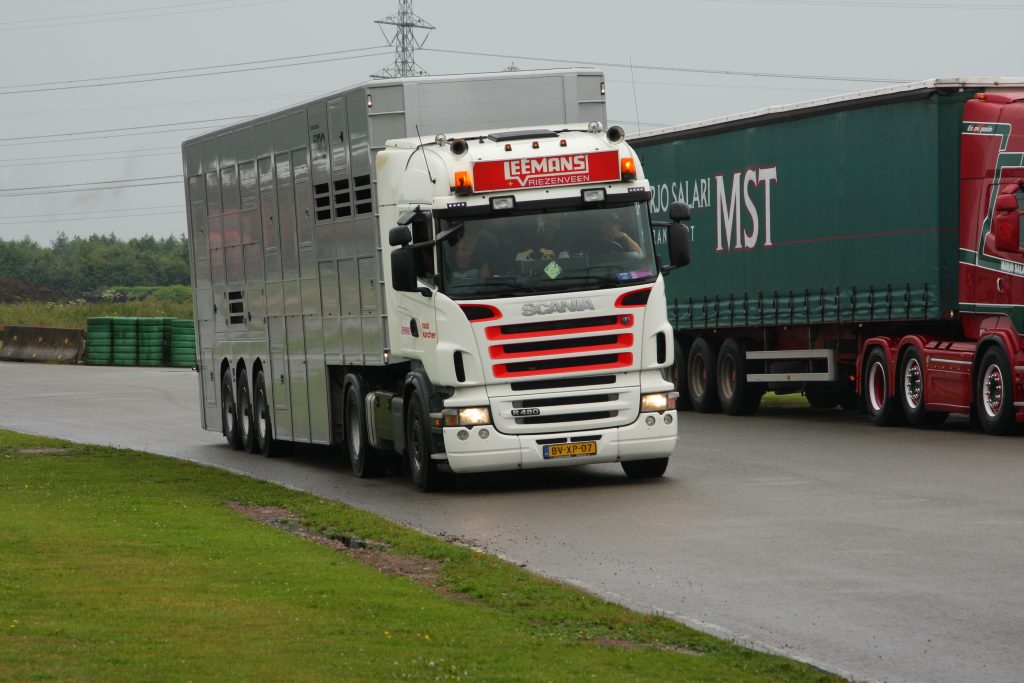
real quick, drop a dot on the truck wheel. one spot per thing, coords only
(245, 424)
(736, 394)
(994, 393)
(262, 425)
(878, 390)
(679, 377)
(911, 390)
(701, 376)
(364, 458)
(645, 469)
(418, 445)
(229, 411)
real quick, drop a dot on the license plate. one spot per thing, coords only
(570, 450)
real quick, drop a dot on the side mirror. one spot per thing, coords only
(1006, 202)
(679, 212)
(400, 236)
(403, 270)
(678, 244)
(1007, 230)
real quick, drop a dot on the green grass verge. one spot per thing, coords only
(119, 565)
(73, 315)
(772, 400)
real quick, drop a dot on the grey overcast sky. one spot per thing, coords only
(681, 50)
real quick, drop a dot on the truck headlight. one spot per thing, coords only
(657, 403)
(466, 417)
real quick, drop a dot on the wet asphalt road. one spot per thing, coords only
(884, 554)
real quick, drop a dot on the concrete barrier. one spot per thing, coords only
(39, 344)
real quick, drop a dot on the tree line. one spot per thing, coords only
(78, 266)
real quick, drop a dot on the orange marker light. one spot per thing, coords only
(628, 167)
(463, 182)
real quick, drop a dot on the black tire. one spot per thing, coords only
(878, 398)
(229, 411)
(245, 422)
(422, 468)
(911, 391)
(701, 376)
(735, 393)
(645, 469)
(365, 460)
(993, 393)
(678, 376)
(263, 418)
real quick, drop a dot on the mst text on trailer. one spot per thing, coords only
(453, 270)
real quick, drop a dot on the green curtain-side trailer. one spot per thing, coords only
(864, 250)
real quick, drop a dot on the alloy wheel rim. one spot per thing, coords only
(912, 384)
(993, 390)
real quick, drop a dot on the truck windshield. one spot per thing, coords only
(554, 251)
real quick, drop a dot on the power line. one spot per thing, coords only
(162, 106)
(681, 69)
(61, 161)
(89, 154)
(115, 130)
(104, 137)
(727, 86)
(93, 218)
(92, 211)
(112, 12)
(193, 68)
(89, 189)
(181, 76)
(58, 21)
(885, 4)
(96, 182)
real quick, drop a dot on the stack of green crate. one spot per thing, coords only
(152, 349)
(126, 341)
(99, 344)
(183, 343)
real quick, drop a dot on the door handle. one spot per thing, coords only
(414, 327)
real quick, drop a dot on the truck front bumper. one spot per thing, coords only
(484, 449)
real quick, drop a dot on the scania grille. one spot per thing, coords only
(560, 327)
(604, 361)
(604, 342)
(561, 346)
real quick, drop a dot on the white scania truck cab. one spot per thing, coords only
(528, 297)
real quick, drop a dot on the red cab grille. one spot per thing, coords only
(549, 328)
(605, 361)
